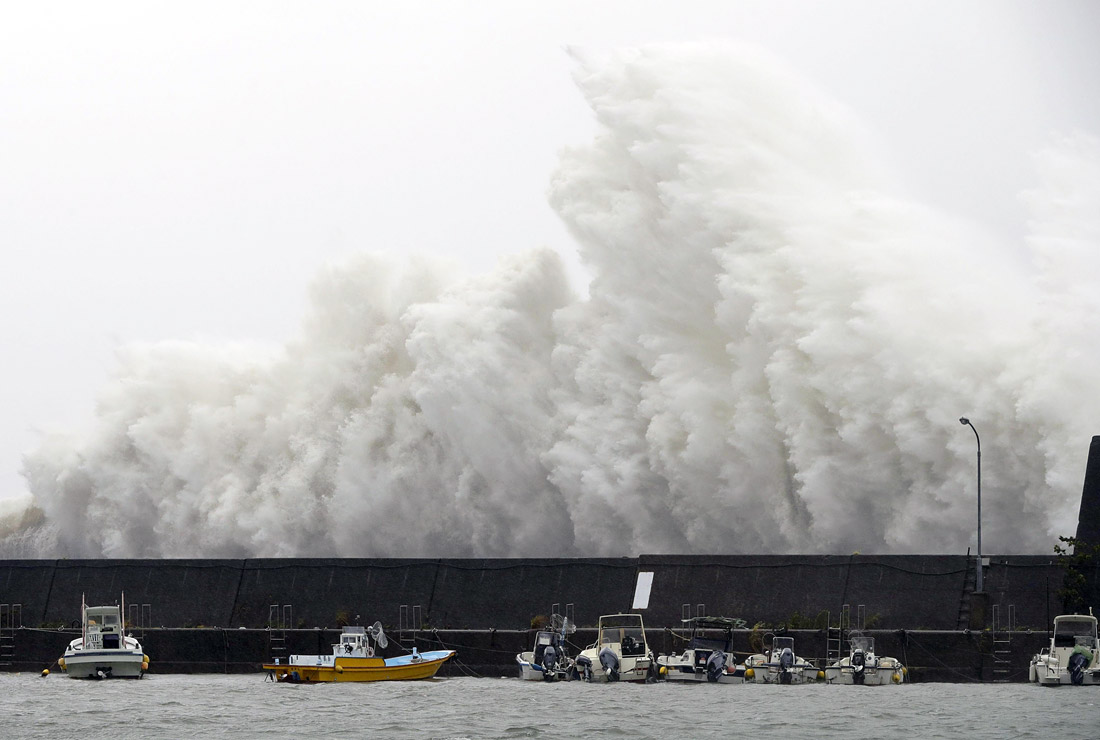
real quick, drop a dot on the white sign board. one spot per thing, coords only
(641, 591)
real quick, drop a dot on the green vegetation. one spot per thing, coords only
(1076, 558)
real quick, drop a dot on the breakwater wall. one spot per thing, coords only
(220, 615)
(913, 592)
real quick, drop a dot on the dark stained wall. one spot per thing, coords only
(896, 592)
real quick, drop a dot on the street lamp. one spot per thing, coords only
(966, 423)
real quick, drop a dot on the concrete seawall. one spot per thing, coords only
(213, 615)
(927, 592)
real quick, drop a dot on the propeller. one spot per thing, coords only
(378, 635)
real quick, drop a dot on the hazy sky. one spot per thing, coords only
(182, 170)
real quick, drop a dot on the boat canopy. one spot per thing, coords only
(1075, 629)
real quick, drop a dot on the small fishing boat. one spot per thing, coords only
(549, 659)
(1073, 658)
(620, 652)
(709, 656)
(779, 664)
(104, 650)
(354, 658)
(863, 667)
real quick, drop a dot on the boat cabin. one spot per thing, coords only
(103, 628)
(353, 643)
(1073, 630)
(624, 631)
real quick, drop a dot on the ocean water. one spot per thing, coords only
(247, 706)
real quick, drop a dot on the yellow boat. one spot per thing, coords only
(354, 659)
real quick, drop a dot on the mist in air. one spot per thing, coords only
(773, 355)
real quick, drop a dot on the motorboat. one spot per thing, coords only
(863, 667)
(104, 650)
(709, 656)
(548, 659)
(355, 658)
(620, 652)
(779, 664)
(1073, 658)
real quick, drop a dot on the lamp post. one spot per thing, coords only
(966, 422)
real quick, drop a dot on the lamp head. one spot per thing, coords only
(964, 421)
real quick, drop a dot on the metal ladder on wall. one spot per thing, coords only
(11, 619)
(568, 613)
(279, 620)
(685, 611)
(409, 621)
(140, 618)
(970, 582)
(837, 633)
(1002, 643)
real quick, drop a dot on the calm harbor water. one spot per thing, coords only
(245, 706)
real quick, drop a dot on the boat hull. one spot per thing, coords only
(685, 670)
(100, 664)
(631, 670)
(690, 675)
(871, 677)
(759, 670)
(884, 672)
(326, 669)
(529, 671)
(1046, 675)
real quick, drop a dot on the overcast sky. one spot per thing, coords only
(181, 170)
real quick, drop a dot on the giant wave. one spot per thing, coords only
(772, 356)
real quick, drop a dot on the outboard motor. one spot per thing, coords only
(549, 661)
(584, 668)
(858, 664)
(716, 666)
(1077, 664)
(610, 663)
(786, 663)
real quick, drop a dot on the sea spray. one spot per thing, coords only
(772, 357)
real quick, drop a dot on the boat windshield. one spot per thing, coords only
(782, 642)
(862, 642)
(1071, 632)
(102, 618)
(613, 628)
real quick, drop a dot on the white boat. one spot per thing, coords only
(863, 667)
(1073, 658)
(779, 664)
(103, 650)
(620, 652)
(354, 659)
(549, 659)
(709, 657)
